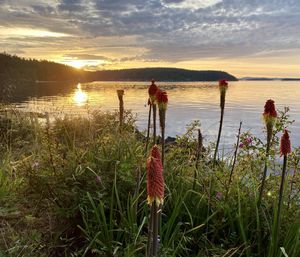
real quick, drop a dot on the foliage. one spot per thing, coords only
(76, 187)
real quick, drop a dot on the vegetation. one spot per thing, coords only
(14, 68)
(76, 187)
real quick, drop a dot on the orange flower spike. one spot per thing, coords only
(155, 180)
(152, 91)
(285, 143)
(270, 113)
(162, 99)
(223, 85)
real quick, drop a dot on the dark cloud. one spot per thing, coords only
(43, 9)
(173, 1)
(70, 5)
(88, 57)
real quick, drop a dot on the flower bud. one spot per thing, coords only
(285, 143)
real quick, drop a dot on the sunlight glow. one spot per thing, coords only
(76, 64)
(7, 32)
(80, 97)
(83, 64)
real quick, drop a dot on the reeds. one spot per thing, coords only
(155, 192)
(198, 154)
(223, 86)
(234, 158)
(269, 117)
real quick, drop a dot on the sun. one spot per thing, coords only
(76, 63)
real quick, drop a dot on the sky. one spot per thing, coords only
(242, 37)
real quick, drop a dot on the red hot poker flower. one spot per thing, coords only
(270, 108)
(285, 143)
(152, 90)
(155, 180)
(223, 83)
(270, 113)
(162, 99)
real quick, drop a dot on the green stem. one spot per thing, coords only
(265, 172)
(155, 229)
(280, 200)
(154, 123)
(163, 146)
(276, 225)
(148, 128)
(150, 232)
(219, 134)
(162, 122)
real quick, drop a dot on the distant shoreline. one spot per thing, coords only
(269, 79)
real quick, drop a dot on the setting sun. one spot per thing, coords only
(76, 64)
(82, 64)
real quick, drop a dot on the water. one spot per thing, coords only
(188, 101)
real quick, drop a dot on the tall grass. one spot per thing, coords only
(73, 188)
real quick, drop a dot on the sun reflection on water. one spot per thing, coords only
(80, 97)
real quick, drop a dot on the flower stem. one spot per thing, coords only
(153, 243)
(162, 121)
(274, 242)
(150, 233)
(154, 123)
(155, 229)
(219, 134)
(148, 128)
(263, 181)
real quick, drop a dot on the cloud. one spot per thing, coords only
(192, 4)
(71, 5)
(154, 30)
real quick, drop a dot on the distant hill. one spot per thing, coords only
(268, 79)
(257, 79)
(162, 74)
(14, 68)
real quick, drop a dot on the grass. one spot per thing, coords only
(76, 187)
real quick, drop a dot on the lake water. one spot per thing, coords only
(188, 101)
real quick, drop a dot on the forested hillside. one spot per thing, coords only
(14, 70)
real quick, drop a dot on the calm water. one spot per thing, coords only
(188, 101)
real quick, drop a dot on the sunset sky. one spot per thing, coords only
(243, 37)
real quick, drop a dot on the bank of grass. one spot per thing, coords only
(76, 187)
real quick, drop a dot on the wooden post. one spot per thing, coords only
(121, 107)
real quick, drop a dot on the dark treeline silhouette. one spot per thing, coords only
(162, 74)
(16, 68)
